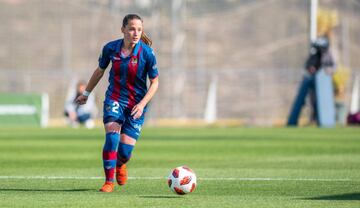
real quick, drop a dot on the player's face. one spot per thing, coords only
(132, 31)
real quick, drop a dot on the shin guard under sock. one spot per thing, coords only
(110, 154)
(124, 153)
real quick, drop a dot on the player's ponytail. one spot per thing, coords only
(144, 37)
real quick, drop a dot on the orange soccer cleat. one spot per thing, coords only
(121, 174)
(107, 187)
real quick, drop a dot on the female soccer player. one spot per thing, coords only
(127, 96)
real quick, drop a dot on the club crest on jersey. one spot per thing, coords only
(134, 60)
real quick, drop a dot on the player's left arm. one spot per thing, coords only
(138, 109)
(153, 74)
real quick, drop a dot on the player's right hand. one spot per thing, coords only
(81, 100)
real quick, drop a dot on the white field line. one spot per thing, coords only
(162, 178)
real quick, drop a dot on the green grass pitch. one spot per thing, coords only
(236, 167)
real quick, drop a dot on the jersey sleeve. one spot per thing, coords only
(104, 58)
(151, 65)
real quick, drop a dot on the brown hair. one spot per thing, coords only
(144, 37)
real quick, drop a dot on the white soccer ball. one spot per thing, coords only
(182, 180)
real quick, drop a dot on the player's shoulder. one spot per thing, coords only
(147, 50)
(112, 45)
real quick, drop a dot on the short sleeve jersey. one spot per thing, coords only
(127, 78)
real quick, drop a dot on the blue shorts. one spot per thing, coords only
(115, 112)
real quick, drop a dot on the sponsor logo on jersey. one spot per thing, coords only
(116, 58)
(138, 127)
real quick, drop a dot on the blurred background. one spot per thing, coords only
(232, 61)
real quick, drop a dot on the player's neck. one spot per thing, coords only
(127, 49)
(128, 46)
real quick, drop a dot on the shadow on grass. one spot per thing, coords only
(47, 190)
(161, 197)
(349, 196)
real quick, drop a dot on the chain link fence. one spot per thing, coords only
(253, 50)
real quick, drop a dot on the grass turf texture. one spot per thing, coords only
(236, 167)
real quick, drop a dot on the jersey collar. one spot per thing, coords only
(135, 51)
(118, 46)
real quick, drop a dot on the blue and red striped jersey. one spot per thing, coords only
(127, 78)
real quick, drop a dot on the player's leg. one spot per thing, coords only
(113, 118)
(125, 149)
(130, 132)
(112, 139)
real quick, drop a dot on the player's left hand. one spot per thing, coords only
(137, 111)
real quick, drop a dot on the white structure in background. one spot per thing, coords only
(354, 105)
(210, 109)
(313, 19)
(44, 121)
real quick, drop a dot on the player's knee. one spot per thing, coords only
(124, 152)
(112, 127)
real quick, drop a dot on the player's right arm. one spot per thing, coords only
(95, 78)
(104, 61)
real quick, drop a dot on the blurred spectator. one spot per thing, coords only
(320, 57)
(80, 114)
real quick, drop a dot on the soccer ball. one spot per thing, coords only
(182, 180)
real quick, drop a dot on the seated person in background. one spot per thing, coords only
(80, 114)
